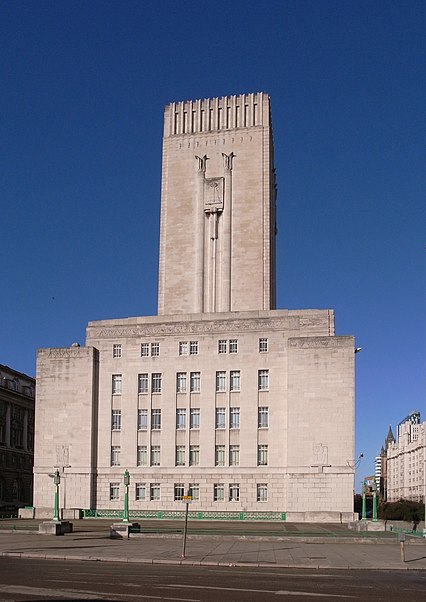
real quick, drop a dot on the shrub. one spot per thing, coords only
(405, 510)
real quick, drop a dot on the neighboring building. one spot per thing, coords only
(406, 461)
(249, 407)
(381, 470)
(17, 393)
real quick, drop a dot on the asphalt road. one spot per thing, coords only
(27, 580)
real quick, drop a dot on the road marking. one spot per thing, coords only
(79, 594)
(258, 591)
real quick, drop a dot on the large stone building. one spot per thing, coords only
(406, 461)
(17, 393)
(249, 407)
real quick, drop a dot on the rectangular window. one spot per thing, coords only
(220, 381)
(194, 418)
(193, 347)
(155, 349)
(154, 492)
(115, 455)
(194, 491)
(220, 418)
(156, 382)
(263, 380)
(233, 345)
(140, 492)
(262, 455)
(234, 380)
(234, 455)
(181, 418)
(219, 492)
(263, 345)
(116, 420)
(117, 382)
(143, 383)
(180, 455)
(221, 346)
(142, 420)
(144, 349)
(194, 455)
(183, 347)
(234, 492)
(116, 350)
(263, 417)
(155, 420)
(262, 492)
(114, 492)
(195, 382)
(142, 457)
(179, 491)
(155, 455)
(181, 382)
(234, 418)
(219, 455)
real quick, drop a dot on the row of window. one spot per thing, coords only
(188, 348)
(154, 458)
(221, 492)
(194, 380)
(194, 418)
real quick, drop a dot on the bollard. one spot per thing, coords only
(401, 546)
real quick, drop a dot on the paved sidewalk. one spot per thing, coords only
(285, 552)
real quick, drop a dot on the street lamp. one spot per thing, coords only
(374, 500)
(126, 496)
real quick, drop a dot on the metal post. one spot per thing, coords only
(364, 503)
(402, 546)
(126, 496)
(374, 500)
(185, 530)
(56, 480)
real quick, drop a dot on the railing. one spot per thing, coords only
(180, 514)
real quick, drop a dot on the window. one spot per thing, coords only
(155, 420)
(221, 346)
(142, 420)
(155, 349)
(155, 455)
(219, 455)
(221, 381)
(140, 492)
(183, 347)
(194, 491)
(116, 350)
(144, 349)
(194, 455)
(195, 382)
(263, 347)
(179, 491)
(142, 457)
(220, 418)
(181, 418)
(219, 492)
(156, 382)
(234, 380)
(234, 492)
(263, 417)
(194, 418)
(116, 384)
(181, 382)
(193, 347)
(233, 346)
(234, 455)
(263, 380)
(115, 455)
(262, 455)
(234, 418)
(262, 492)
(180, 455)
(143, 383)
(114, 491)
(154, 492)
(116, 420)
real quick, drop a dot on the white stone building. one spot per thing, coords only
(249, 407)
(406, 461)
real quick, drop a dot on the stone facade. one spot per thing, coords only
(248, 407)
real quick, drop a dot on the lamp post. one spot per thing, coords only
(364, 505)
(126, 496)
(56, 480)
(374, 500)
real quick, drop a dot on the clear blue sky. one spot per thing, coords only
(83, 86)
